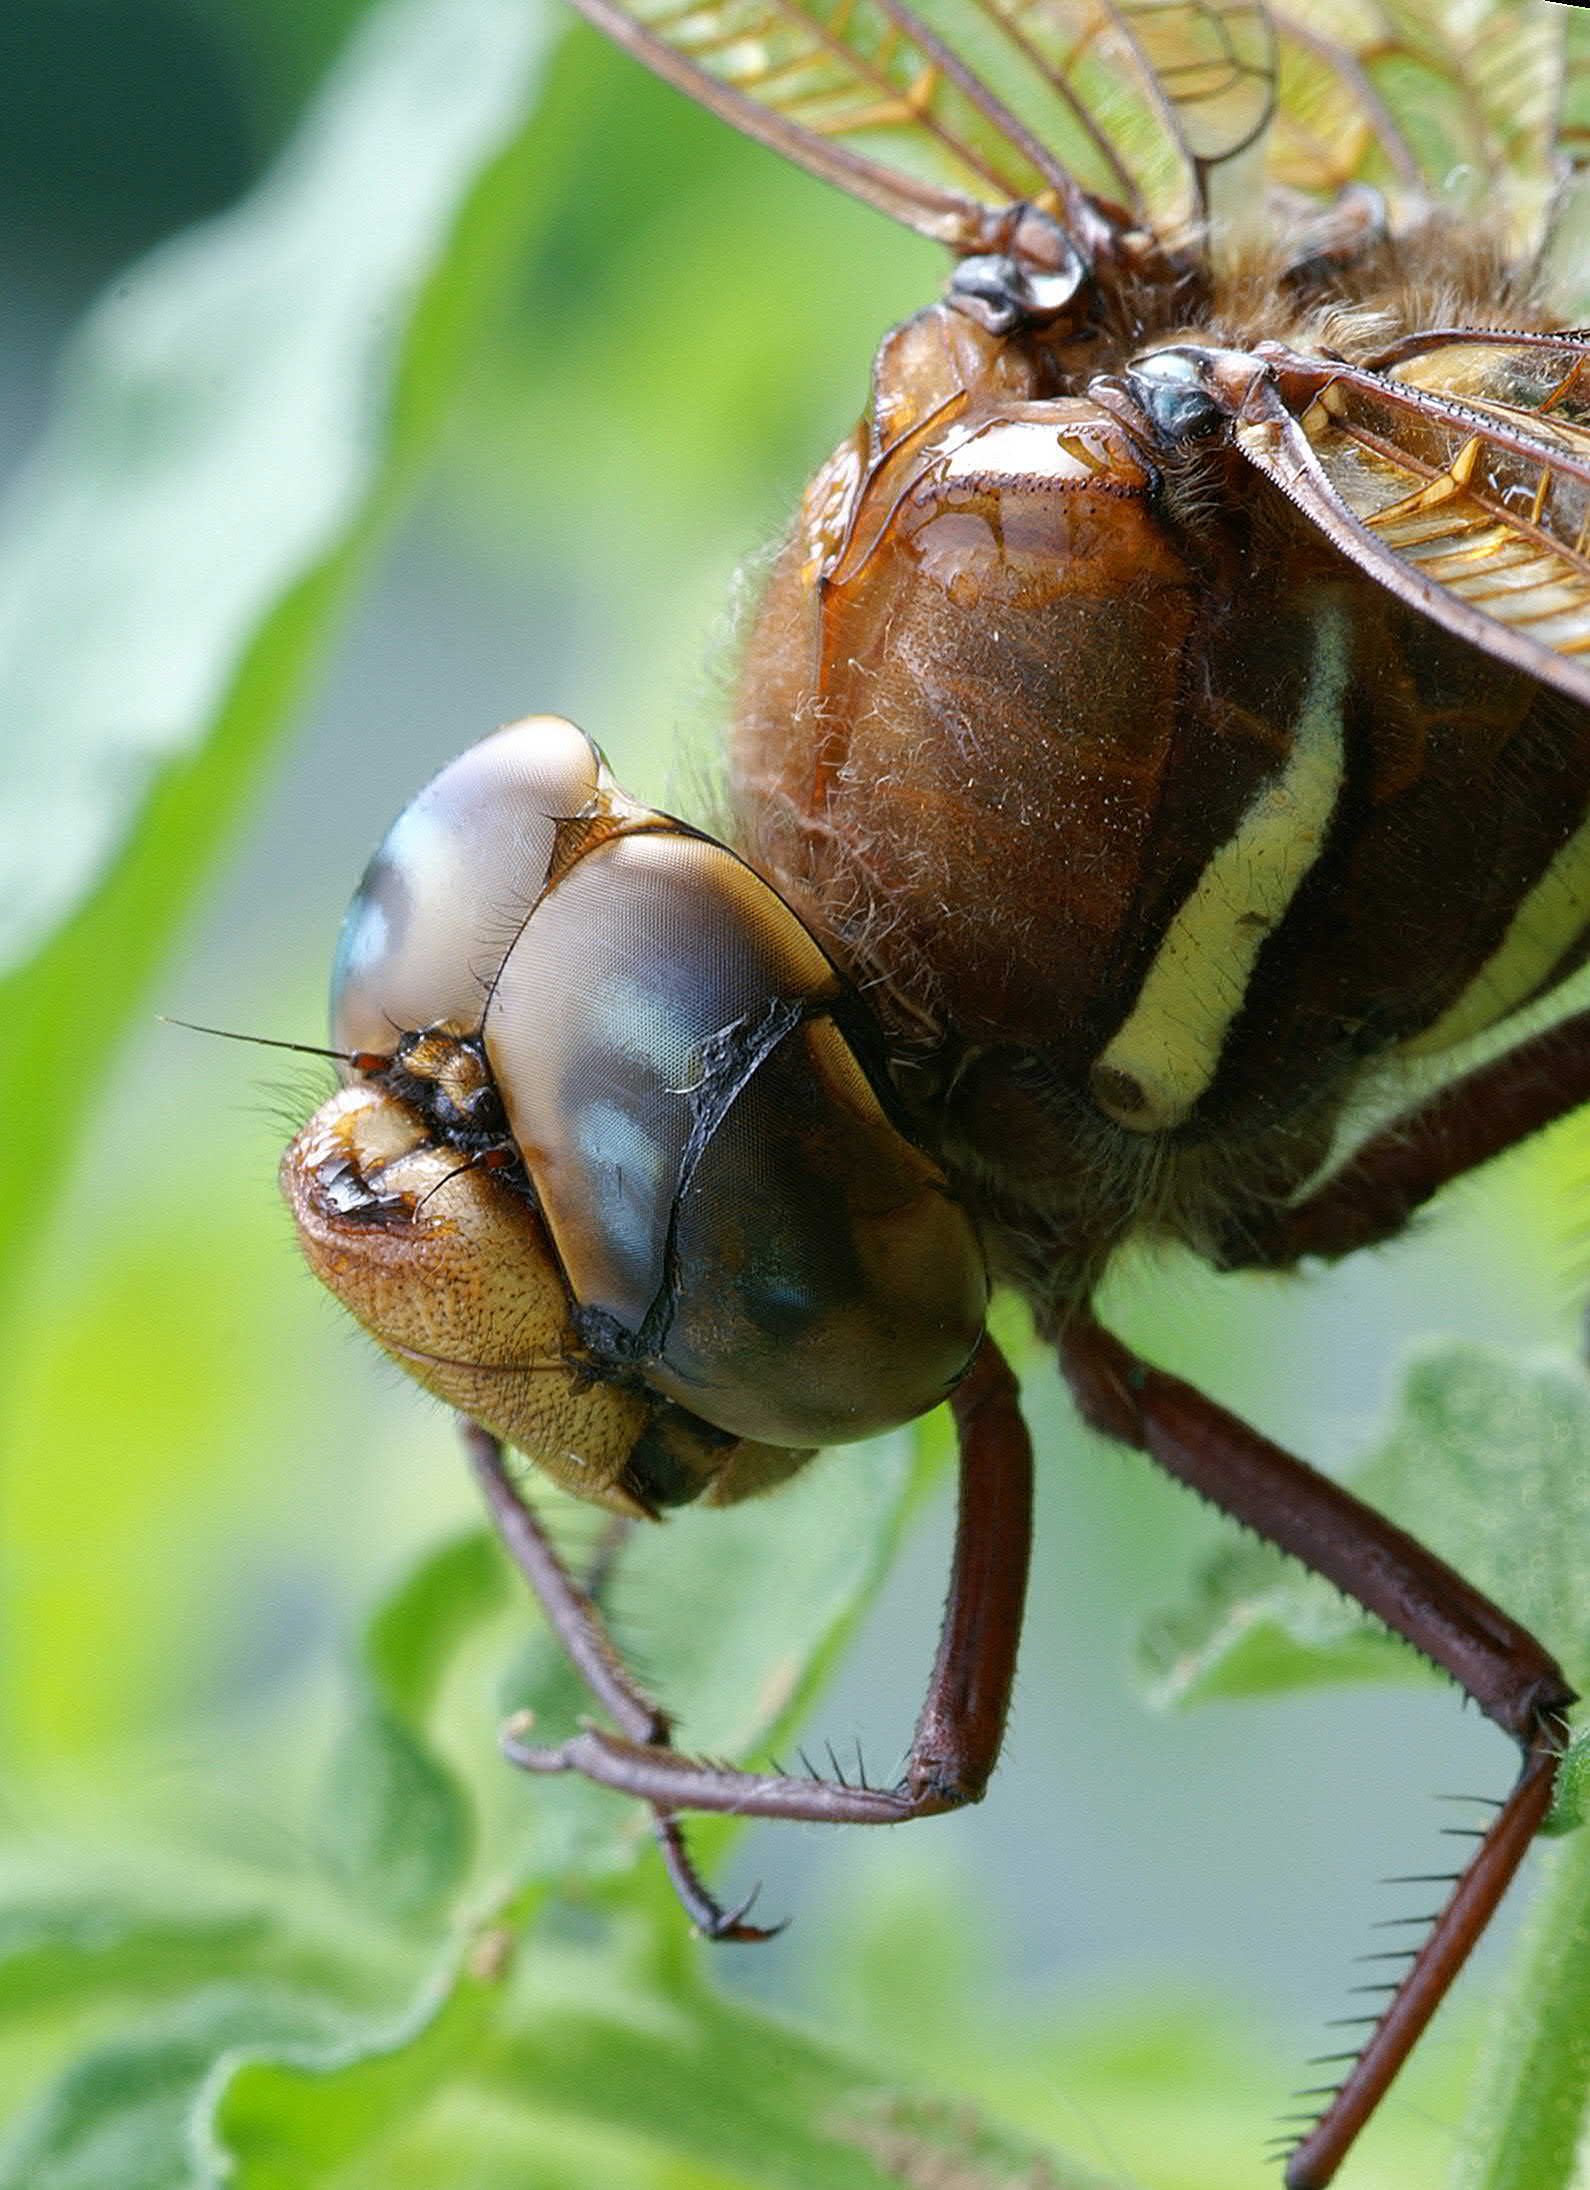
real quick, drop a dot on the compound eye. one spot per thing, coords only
(735, 1214)
(453, 882)
(600, 1036)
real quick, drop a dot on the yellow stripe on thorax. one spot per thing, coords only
(1551, 918)
(1167, 1052)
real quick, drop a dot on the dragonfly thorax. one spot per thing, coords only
(1147, 822)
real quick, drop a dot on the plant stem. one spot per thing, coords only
(1524, 2129)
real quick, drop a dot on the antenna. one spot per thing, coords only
(362, 1060)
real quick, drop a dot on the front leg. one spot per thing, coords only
(962, 1721)
(576, 1619)
(1499, 1663)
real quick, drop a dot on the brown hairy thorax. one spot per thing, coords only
(991, 732)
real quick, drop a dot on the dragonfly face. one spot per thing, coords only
(610, 1173)
(1169, 713)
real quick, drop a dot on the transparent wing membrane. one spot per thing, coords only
(1459, 478)
(969, 105)
(1425, 102)
(1567, 244)
(949, 111)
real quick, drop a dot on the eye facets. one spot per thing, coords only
(720, 1180)
(644, 953)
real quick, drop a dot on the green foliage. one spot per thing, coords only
(62, 1945)
(255, 2083)
(1489, 1462)
(133, 2112)
(395, 1826)
(237, 416)
(351, 1950)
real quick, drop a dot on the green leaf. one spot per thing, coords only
(567, 2047)
(287, 2122)
(1570, 1797)
(415, 1632)
(395, 1826)
(1252, 1624)
(1531, 2095)
(1488, 1463)
(129, 2115)
(570, 2047)
(88, 1942)
(237, 416)
(736, 2089)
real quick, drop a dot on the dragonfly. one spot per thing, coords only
(1164, 730)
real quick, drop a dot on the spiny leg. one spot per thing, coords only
(574, 1614)
(961, 1725)
(1398, 1169)
(1500, 1664)
(708, 1915)
(576, 1619)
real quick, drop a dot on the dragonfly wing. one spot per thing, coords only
(943, 114)
(1427, 103)
(1458, 477)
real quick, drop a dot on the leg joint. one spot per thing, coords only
(937, 1784)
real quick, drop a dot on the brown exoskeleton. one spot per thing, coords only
(1169, 717)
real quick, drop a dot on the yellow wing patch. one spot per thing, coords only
(1457, 475)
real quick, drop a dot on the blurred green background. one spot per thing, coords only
(209, 1481)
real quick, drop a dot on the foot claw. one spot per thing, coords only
(730, 1924)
